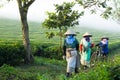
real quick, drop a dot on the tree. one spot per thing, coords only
(61, 19)
(23, 9)
(23, 6)
(116, 11)
(108, 8)
(95, 6)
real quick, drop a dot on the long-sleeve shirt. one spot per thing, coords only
(75, 44)
(104, 46)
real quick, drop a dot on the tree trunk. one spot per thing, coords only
(25, 31)
(60, 40)
(26, 40)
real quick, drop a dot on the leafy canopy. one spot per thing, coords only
(63, 17)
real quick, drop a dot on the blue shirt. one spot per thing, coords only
(105, 49)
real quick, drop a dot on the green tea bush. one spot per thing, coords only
(53, 52)
(47, 50)
(114, 45)
(114, 72)
(12, 54)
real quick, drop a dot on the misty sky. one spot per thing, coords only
(37, 12)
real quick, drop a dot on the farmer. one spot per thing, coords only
(70, 52)
(104, 46)
(85, 49)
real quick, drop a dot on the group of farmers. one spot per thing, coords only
(79, 53)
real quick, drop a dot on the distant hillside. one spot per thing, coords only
(11, 30)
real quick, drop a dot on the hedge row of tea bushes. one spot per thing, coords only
(47, 50)
(13, 53)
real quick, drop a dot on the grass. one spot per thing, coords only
(49, 67)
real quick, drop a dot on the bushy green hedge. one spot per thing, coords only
(52, 51)
(12, 54)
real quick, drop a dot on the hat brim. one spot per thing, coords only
(87, 35)
(105, 38)
(70, 34)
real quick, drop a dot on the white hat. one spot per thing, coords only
(69, 32)
(87, 34)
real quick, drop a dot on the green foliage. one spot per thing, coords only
(114, 72)
(52, 51)
(10, 73)
(12, 54)
(108, 8)
(50, 34)
(62, 18)
(44, 69)
(52, 69)
(96, 6)
(107, 12)
(97, 73)
(7, 72)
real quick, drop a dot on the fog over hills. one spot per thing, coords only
(37, 12)
(96, 22)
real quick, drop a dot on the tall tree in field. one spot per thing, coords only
(23, 6)
(61, 19)
(23, 9)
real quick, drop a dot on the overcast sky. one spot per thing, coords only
(37, 12)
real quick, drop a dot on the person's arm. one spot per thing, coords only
(64, 49)
(81, 46)
(77, 45)
(98, 44)
(92, 45)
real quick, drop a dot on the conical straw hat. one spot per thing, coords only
(70, 32)
(104, 37)
(87, 34)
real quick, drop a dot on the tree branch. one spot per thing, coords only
(19, 3)
(27, 3)
(89, 4)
